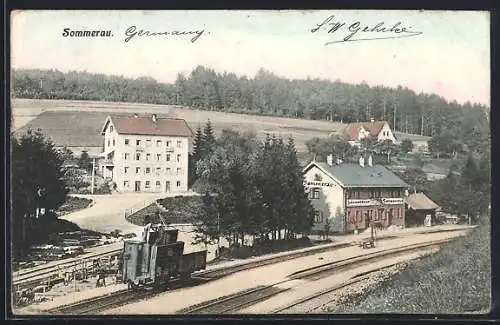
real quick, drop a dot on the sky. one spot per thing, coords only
(449, 56)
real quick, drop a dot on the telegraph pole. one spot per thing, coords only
(93, 175)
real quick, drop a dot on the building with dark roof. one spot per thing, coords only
(146, 154)
(352, 196)
(420, 142)
(419, 207)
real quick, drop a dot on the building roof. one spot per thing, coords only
(351, 131)
(142, 125)
(353, 175)
(420, 201)
(413, 137)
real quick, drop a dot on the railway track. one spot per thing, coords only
(118, 298)
(238, 301)
(356, 279)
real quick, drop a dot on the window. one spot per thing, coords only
(127, 142)
(126, 156)
(138, 142)
(125, 170)
(110, 128)
(148, 143)
(114, 143)
(169, 171)
(179, 171)
(137, 170)
(158, 184)
(158, 156)
(148, 184)
(168, 157)
(109, 142)
(148, 156)
(179, 144)
(158, 143)
(178, 158)
(315, 193)
(168, 143)
(318, 216)
(137, 156)
(158, 170)
(148, 170)
(178, 183)
(125, 184)
(357, 216)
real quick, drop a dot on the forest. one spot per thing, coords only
(267, 94)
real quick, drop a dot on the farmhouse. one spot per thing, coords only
(146, 154)
(420, 142)
(379, 130)
(350, 196)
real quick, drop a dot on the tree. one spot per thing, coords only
(406, 146)
(208, 140)
(387, 148)
(37, 182)
(84, 161)
(196, 156)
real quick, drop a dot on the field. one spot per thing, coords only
(78, 123)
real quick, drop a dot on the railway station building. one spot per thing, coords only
(351, 196)
(145, 153)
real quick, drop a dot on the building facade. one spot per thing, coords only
(146, 154)
(351, 196)
(379, 130)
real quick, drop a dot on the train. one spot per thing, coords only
(158, 259)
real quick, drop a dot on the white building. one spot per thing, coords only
(379, 130)
(351, 196)
(420, 142)
(146, 154)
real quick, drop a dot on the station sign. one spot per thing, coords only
(323, 184)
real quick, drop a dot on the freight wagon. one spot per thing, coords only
(158, 259)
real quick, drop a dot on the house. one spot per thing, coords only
(349, 196)
(379, 130)
(419, 207)
(420, 142)
(146, 154)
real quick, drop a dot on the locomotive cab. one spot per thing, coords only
(158, 258)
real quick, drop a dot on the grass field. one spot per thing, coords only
(77, 122)
(457, 279)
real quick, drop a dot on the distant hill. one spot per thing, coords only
(78, 123)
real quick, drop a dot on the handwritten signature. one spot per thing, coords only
(363, 32)
(133, 32)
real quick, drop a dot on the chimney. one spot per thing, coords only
(135, 115)
(329, 160)
(370, 161)
(362, 161)
(154, 118)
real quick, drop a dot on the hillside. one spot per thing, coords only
(78, 123)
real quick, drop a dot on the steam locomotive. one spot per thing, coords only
(157, 259)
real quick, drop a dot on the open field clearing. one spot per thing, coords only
(79, 122)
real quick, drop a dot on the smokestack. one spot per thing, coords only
(329, 160)
(362, 161)
(370, 161)
(154, 118)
